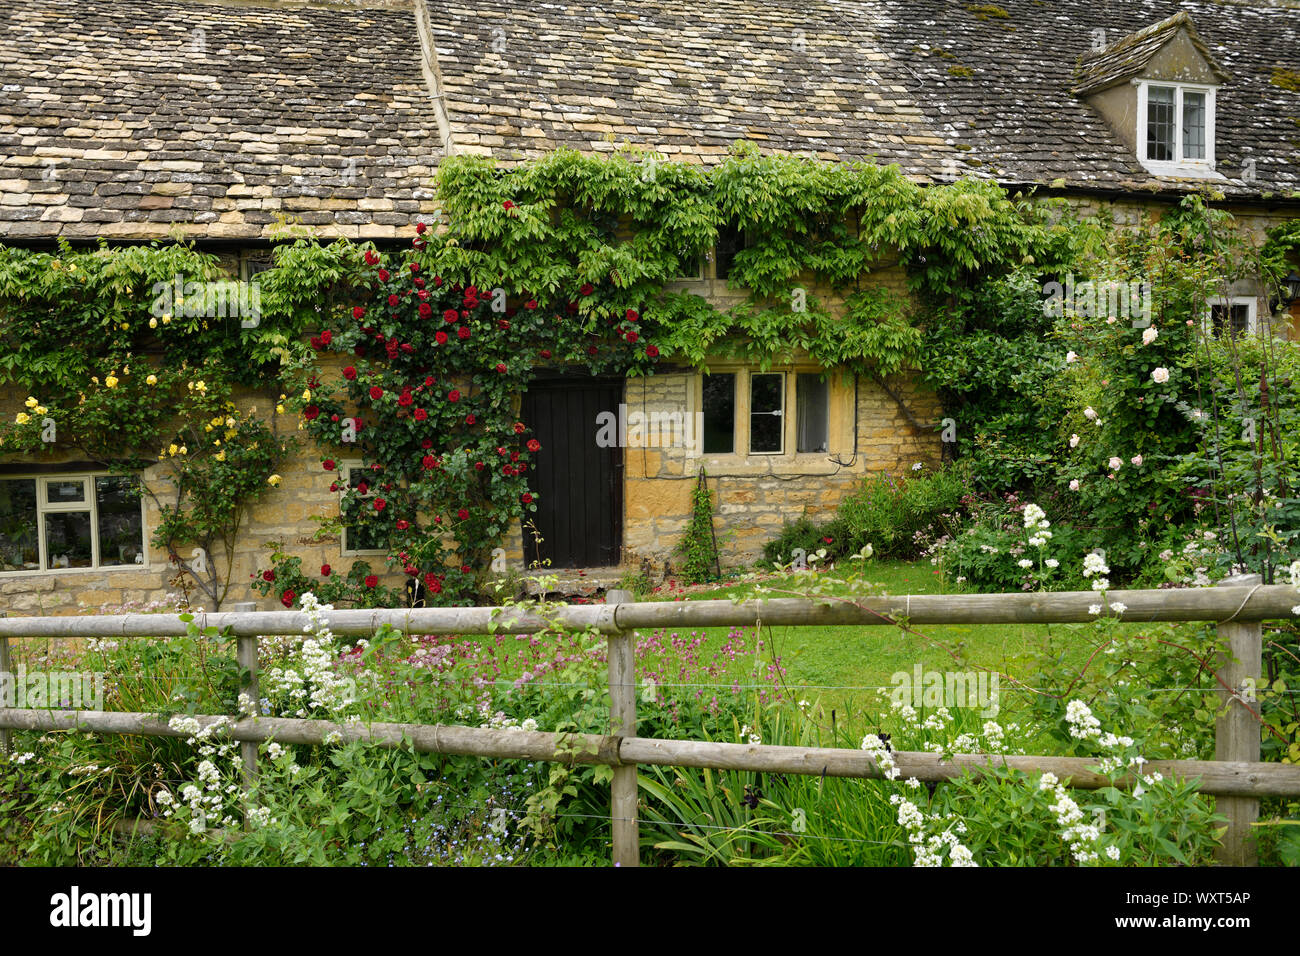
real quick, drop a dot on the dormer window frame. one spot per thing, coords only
(1179, 166)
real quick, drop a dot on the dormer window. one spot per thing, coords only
(1176, 128)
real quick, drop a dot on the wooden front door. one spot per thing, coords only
(578, 484)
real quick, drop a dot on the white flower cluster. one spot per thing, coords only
(928, 851)
(1083, 724)
(881, 756)
(748, 733)
(1095, 564)
(312, 683)
(1036, 524)
(214, 799)
(1294, 571)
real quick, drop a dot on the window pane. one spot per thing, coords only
(358, 536)
(812, 396)
(19, 549)
(1193, 125)
(766, 419)
(719, 414)
(1160, 122)
(730, 242)
(67, 539)
(121, 530)
(1234, 319)
(59, 492)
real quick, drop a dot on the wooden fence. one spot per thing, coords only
(1236, 776)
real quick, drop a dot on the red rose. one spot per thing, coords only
(530, 305)
(376, 393)
(432, 583)
(420, 227)
(546, 353)
(519, 428)
(402, 524)
(421, 414)
(350, 373)
(428, 462)
(334, 486)
(453, 395)
(414, 267)
(503, 325)
(324, 570)
(478, 466)
(462, 332)
(427, 443)
(587, 288)
(470, 419)
(287, 598)
(464, 569)
(405, 399)
(651, 351)
(268, 576)
(632, 336)
(631, 315)
(371, 581)
(526, 498)
(362, 488)
(371, 258)
(501, 367)
(426, 310)
(462, 514)
(534, 445)
(440, 338)
(507, 470)
(450, 315)
(507, 205)
(310, 413)
(383, 277)
(329, 464)
(358, 312)
(393, 300)
(592, 350)
(327, 337)
(380, 504)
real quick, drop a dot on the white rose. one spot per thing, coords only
(1071, 356)
(1149, 335)
(1074, 485)
(1115, 463)
(1089, 414)
(1074, 441)
(1160, 375)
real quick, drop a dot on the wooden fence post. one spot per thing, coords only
(1236, 730)
(246, 655)
(622, 712)
(10, 685)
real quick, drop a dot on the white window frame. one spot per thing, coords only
(345, 472)
(91, 504)
(1252, 312)
(1179, 166)
(779, 413)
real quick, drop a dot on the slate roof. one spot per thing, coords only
(125, 118)
(1128, 56)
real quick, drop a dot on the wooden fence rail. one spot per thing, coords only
(1236, 777)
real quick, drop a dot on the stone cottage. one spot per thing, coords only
(139, 120)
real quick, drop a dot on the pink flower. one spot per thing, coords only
(1074, 485)
(1136, 459)
(1115, 463)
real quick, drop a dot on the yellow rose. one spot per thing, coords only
(230, 423)
(31, 402)
(125, 326)
(153, 323)
(172, 448)
(207, 428)
(306, 395)
(273, 481)
(221, 455)
(110, 381)
(283, 397)
(151, 380)
(231, 433)
(40, 409)
(184, 450)
(279, 409)
(167, 320)
(22, 419)
(95, 379)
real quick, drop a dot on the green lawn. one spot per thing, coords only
(841, 665)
